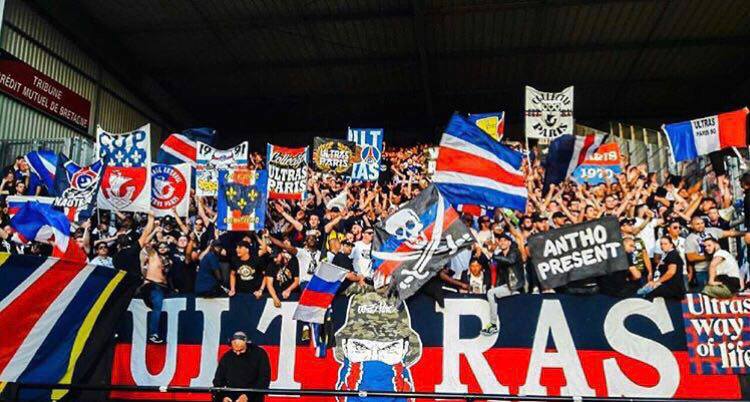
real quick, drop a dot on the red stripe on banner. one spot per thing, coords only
(387, 267)
(452, 160)
(322, 373)
(22, 313)
(733, 129)
(284, 196)
(181, 147)
(290, 151)
(587, 142)
(315, 299)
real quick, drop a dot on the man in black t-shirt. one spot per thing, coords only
(282, 277)
(248, 271)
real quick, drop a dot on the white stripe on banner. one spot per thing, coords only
(459, 144)
(43, 326)
(461, 178)
(176, 154)
(330, 273)
(310, 313)
(46, 265)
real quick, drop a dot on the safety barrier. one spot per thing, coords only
(469, 397)
(78, 149)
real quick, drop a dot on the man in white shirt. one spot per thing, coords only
(361, 254)
(695, 249)
(723, 271)
(102, 256)
(308, 256)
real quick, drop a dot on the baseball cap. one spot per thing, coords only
(240, 335)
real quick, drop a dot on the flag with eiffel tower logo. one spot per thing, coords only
(242, 199)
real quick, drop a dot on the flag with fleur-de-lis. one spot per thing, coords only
(242, 199)
(129, 149)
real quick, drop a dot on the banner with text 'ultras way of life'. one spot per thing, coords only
(547, 345)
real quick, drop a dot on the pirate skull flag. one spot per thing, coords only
(416, 241)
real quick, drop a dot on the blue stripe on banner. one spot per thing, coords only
(481, 195)
(682, 140)
(319, 285)
(460, 127)
(15, 270)
(51, 359)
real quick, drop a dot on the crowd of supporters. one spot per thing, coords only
(677, 237)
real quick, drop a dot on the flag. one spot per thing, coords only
(370, 146)
(491, 123)
(548, 114)
(242, 199)
(35, 221)
(472, 168)
(209, 161)
(77, 189)
(170, 189)
(44, 163)
(287, 172)
(63, 315)
(177, 148)
(691, 139)
(566, 153)
(475, 210)
(415, 242)
(16, 202)
(125, 189)
(129, 149)
(603, 164)
(319, 293)
(206, 135)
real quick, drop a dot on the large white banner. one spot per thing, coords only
(129, 149)
(549, 114)
(209, 161)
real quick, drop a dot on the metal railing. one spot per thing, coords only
(15, 388)
(78, 149)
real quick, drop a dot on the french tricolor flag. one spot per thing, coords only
(691, 139)
(473, 168)
(319, 293)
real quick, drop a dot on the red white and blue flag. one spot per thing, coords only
(35, 221)
(691, 139)
(62, 314)
(566, 153)
(177, 148)
(319, 293)
(44, 163)
(473, 168)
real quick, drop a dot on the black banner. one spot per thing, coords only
(334, 156)
(577, 252)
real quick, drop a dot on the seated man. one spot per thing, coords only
(723, 272)
(476, 278)
(623, 283)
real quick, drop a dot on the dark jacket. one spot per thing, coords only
(509, 268)
(246, 370)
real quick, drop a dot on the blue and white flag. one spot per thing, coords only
(473, 168)
(43, 223)
(370, 145)
(130, 149)
(43, 163)
(77, 189)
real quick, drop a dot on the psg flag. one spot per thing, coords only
(416, 241)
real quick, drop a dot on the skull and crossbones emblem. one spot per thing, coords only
(407, 227)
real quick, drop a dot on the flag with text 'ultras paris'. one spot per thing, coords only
(694, 138)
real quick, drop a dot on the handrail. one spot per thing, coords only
(360, 394)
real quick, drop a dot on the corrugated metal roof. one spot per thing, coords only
(325, 64)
